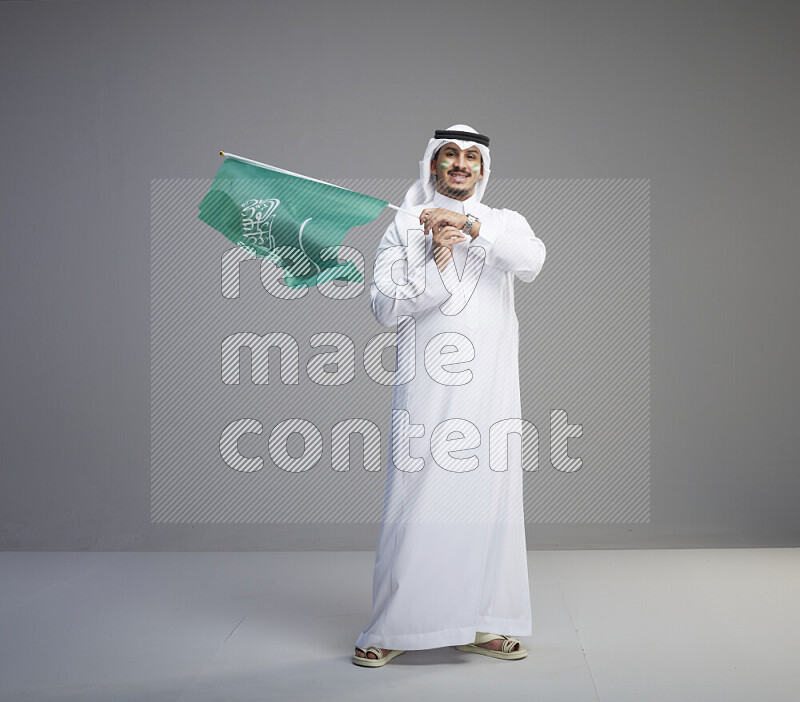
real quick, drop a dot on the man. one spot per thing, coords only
(450, 563)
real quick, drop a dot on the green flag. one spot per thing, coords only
(295, 222)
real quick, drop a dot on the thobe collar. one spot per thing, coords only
(461, 206)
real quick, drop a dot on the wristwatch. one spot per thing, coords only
(471, 219)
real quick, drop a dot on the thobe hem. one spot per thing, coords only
(446, 637)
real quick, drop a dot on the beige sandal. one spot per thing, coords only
(506, 653)
(374, 662)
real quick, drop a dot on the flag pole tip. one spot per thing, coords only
(221, 153)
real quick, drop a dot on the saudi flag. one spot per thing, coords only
(298, 223)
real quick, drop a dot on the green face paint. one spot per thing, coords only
(445, 165)
(476, 169)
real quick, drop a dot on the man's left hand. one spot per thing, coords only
(435, 218)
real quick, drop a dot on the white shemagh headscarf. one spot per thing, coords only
(422, 191)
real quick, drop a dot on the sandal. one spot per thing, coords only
(374, 662)
(506, 653)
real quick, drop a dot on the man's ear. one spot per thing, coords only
(433, 166)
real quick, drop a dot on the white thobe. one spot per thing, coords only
(451, 556)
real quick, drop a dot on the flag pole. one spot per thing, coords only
(298, 175)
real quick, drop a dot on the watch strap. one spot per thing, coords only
(471, 219)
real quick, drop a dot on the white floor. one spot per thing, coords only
(672, 625)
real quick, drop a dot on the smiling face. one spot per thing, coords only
(457, 171)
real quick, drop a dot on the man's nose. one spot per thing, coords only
(461, 162)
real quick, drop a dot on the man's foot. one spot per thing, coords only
(370, 654)
(375, 657)
(497, 645)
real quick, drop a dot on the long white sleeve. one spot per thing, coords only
(423, 289)
(511, 244)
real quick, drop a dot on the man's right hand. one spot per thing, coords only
(447, 236)
(443, 240)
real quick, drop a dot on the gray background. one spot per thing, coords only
(101, 98)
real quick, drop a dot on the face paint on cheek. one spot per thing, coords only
(445, 165)
(476, 169)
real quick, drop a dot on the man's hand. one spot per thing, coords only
(447, 236)
(445, 227)
(436, 218)
(443, 240)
